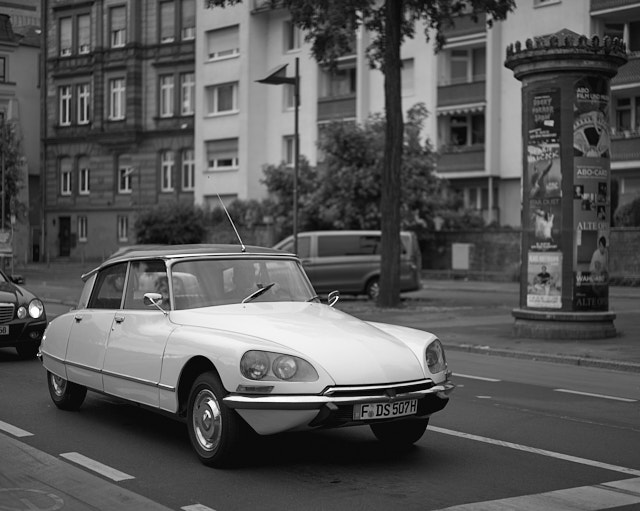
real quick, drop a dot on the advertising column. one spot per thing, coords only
(542, 195)
(592, 194)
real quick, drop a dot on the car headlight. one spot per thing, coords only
(267, 366)
(436, 361)
(36, 308)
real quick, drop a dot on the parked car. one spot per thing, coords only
(22, 317)
(349, 261)
(227, 338)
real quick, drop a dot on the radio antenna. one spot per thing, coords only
(242, 247)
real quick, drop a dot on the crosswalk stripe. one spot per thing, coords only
(13, 430)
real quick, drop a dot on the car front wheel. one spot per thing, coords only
(65, 394)
(214, 429)
(401, 433)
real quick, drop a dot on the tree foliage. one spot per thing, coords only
(628, 215)
(12, 160)
(172, 224)
(329, 27)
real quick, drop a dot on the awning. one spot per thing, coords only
(468, 108)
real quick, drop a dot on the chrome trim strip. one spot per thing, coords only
(314, 402)
(368, 388)
(113, 375)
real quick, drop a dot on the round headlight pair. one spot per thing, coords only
(35, 309)
(264, 365)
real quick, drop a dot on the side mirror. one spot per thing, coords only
(333, 297)
(154, 299)
(17, 279)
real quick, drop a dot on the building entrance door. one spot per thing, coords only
(64, 236)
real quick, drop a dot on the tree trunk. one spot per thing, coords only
(391, 186)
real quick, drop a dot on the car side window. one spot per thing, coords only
(109, 288)
(148, 276)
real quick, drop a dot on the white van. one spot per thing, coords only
(349, 261)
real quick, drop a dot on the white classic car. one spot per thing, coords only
(223, 337)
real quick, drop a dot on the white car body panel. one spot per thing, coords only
(350, 350)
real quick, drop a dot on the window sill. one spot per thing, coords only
(222, 114)
(222, 169)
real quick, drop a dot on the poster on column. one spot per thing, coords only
(591, 195)
(544, 283)
(543, 180)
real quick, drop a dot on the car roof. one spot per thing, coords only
(181, 251)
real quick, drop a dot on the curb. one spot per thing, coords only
(544, 357)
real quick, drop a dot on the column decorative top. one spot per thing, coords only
(565, 51)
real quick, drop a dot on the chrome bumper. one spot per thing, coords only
(316, 402)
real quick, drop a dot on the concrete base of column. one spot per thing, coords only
(563, 325)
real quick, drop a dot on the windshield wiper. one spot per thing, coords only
(258, 292)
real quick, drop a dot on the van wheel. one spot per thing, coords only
(373, 288)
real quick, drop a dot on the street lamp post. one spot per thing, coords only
(279, 77)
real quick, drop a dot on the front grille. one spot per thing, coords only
(6, 312)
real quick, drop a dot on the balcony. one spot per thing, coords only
(629, 74)
(337, 107)
(465, 26)
(461, 93)
(606, 5)
(457, 159)
(625, 145)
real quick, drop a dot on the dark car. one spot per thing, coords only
(22, 317)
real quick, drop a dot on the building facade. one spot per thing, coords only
(154, 101)
(118, 134)
(20, 81)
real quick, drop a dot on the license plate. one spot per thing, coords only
(4, 329)
(368, 411)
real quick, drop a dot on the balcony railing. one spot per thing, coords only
(462, 93)
(461, 159)
(602, 5)
(336, 108)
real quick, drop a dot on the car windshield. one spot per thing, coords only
(214, 281)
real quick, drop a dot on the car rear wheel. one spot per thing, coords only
(28, 350)
(214, 429)
(65, 394)
(373, 288)
(402, 433)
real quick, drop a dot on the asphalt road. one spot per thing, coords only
(515, 429)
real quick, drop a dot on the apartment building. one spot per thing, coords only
(119, 116)
(474, 100)
(20, 109)
(152, 101)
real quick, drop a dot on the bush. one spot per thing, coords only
(628, 215)
(172, 224)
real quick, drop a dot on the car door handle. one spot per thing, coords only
(118, 319)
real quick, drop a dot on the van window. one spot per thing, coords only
(333, 245)
(304, 246)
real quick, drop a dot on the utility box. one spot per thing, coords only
(461, 254)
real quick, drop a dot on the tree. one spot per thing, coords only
(628, 215)
(330, 25)
(172, 224)
(12, 161)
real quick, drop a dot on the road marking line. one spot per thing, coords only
(534, 450)
(197, 507)
(475, 377)
(12, 430)
(585, 498)
(626, 400)
(96, 466)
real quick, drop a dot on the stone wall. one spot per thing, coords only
(495, 254)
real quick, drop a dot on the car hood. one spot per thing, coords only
(352, 351)
(12, 293)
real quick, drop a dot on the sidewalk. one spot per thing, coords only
(480, 329)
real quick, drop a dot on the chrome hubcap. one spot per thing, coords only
(59, 384)
(207, 420)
